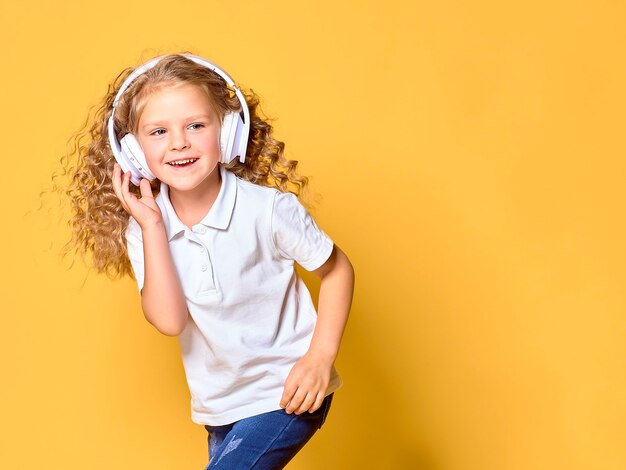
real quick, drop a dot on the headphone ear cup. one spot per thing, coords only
(240, 143)
(133, 153)
(227, 137)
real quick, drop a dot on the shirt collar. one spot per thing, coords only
(218, 216)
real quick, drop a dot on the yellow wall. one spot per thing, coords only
(470, 160)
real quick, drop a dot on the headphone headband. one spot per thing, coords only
(151, 63)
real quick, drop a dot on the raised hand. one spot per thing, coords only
(144, 210)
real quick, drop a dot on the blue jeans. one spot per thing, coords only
(263, 442)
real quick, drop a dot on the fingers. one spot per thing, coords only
(302, 402)
(125, 185)
(288, 393)
(143, 208)
(318, 402)
(117, 179)
(298, 401)
(127, 196)
(145, 189)
(306, 403)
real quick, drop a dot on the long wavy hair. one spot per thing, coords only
(98, 220)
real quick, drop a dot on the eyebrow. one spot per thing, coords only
(190, 118)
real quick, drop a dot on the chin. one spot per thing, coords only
(191, 183)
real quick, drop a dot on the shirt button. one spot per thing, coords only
(203, 268)
(201, 250)
(201, 230)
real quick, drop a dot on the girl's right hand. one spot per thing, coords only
(144, 210)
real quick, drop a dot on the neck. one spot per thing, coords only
(193, 205)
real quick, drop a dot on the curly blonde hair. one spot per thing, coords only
(98, 220)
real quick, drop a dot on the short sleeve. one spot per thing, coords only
(134, 245)
(296, 235)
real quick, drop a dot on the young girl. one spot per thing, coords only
(213, 253)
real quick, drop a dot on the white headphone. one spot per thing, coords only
(233, 135)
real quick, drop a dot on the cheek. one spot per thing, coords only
(208, 141)
(150, 149)
(214, 137)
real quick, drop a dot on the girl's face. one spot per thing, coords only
(179, 131)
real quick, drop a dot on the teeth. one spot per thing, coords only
(182, 162)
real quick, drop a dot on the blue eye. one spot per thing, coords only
(196, 125)
(157, 132)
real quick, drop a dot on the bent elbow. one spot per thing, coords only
(171, 328)
(169, 318)
(169, 325)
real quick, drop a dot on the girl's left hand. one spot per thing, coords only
(305, 387)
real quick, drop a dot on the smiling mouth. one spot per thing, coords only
(183, 163)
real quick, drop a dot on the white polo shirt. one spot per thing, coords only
(252, 317)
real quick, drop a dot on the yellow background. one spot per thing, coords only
(469, 157)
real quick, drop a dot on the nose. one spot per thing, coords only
(178, 140)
